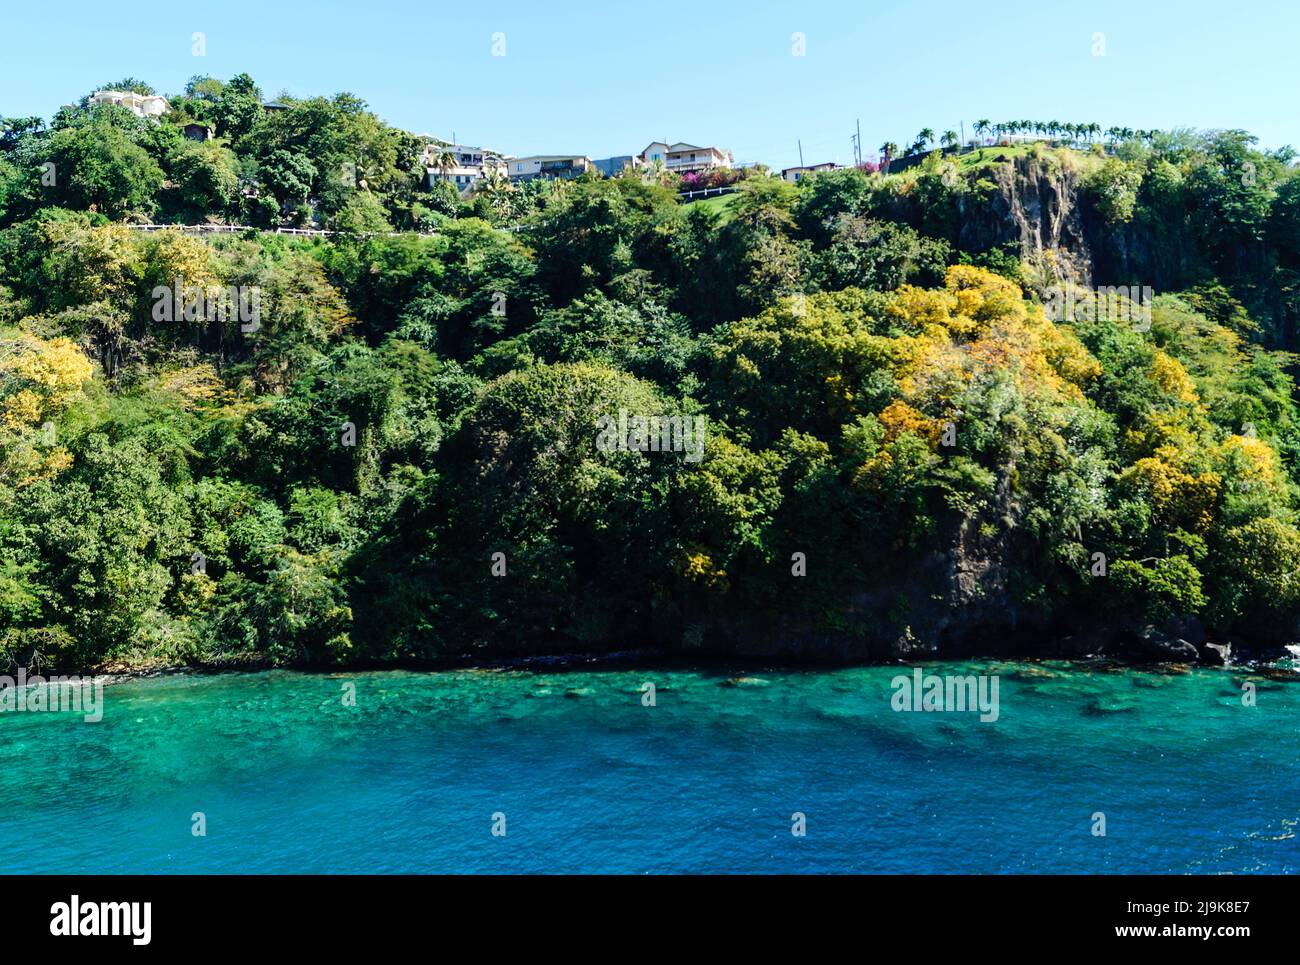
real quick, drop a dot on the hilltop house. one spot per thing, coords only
(548, 166)
(683, 158)
(800, 172)
(141, 105)
(471, 163)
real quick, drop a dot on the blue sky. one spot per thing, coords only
(604, 78)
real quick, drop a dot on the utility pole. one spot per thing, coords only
(858, 142)
(800, 143)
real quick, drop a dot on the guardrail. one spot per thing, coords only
(702, 193)
(234, 229)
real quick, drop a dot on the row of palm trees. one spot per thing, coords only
(1055, 130)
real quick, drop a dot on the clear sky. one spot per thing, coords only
(603, 78)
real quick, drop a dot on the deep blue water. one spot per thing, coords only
(291, 780)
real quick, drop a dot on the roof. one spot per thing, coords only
(681, 146)
(129, 95)
(549, 157)
(810, 167)
(458, 148)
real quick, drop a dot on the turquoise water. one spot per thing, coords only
(291, 780)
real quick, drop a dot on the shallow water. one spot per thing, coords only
(289, 779)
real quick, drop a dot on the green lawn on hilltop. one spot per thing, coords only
(985, 157)
(721, 203)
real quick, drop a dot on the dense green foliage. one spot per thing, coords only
(335, 481)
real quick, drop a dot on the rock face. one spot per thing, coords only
(1037, 205)
(958, 602)
(1164, 647)
(1216, 654)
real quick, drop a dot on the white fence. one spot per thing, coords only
(234, 229)
(705, 193)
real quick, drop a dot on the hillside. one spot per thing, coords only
(870, 440)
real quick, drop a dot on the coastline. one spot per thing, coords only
(658, 658)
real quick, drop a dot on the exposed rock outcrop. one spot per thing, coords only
(1036, 204)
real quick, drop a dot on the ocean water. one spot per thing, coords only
(289, 779)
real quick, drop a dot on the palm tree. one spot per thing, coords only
(445, 161)
(888, 151)
(982, 127)
(925, 137)
(496, 187)
(948, 139)
(363, 169)
(654, 171)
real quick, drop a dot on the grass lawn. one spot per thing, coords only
(1081, 159)
(721, 203)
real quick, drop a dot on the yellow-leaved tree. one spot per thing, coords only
(39, 379)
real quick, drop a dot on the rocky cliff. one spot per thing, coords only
(1038, 205)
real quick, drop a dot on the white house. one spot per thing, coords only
(471, 163)
(142, 105)
(683, 158)
(801, 172)
(548, 166)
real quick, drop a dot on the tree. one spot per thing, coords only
(237, 109)
(445, 161)
(207, 180)
(103, 170)
(289, 177)
(130, 84)
(496, 188)
(1114, 189)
